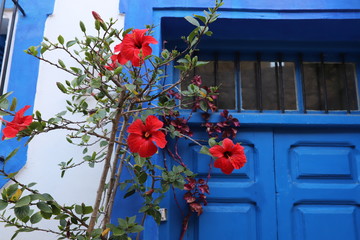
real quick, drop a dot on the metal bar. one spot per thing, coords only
(277, 83)
(17, 5)
(281, 85)
(2, 8)
(323, 83)
(238, 82)
(216, 57)
(258, 82)
(8, 47)
(346, 83)
(302, 82)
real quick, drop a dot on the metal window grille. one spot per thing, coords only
(263, 85)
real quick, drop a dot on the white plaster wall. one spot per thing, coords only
(48, 150)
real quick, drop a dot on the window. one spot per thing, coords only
(272, 83)
(278, 65)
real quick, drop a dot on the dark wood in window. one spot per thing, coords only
(263, 85)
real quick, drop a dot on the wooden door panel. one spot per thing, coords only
(240, 205)
(317, 184)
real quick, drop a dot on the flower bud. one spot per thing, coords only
(97, 16)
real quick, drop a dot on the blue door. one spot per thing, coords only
(317, 184)
(298, 184)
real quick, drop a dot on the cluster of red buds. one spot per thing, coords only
(227, 128)
(195, 195)
(180, 124)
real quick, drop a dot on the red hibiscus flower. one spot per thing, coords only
(19, 123)
(143, 135)
(134, 47)
(113, 65)
(229, 156)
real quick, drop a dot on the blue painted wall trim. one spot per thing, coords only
(24, 70)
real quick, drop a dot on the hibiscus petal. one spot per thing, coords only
(152, 123)
(149, 39)
(224, 164)
(145, 50)
(134, 141)
(228, 144)
(19, 115)
(118, 48)
(137, 127)
(139, 33)
(121, 59)
(217, 151)
(27, 120)
(10, 132)
(238, 161)
(147, 149)
(159, 138)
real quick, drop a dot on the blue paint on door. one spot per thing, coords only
(317, 179)
(241, 205)
(298, 184)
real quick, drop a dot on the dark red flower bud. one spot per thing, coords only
(97, 16)
(196, 80)
(196, 207)
(189, 198)
(151, 191)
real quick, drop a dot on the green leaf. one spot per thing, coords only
(12, 189)
(128, 194)
(85, 138)
(82, 26)
(136, 228)
(142, 177)
(3, 205)
(45, 215)
(140, 160)
(87, 209)
(61, 39)
(95, 83)
(127, 31)
(61, 87)
(61, 63)
(203, 106)
(212, 142)
(13, 104)
(11, 175)
(8, 157)
(70, 43)
(202, 18)
(4, 104)
(205, 150)
(22, 212)
(35, 218)
(193, 21)
(122, 223)
(201, 63)
(44, 207)
(78, 209)
(117, 232)
(118, 70)
(24, 201)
